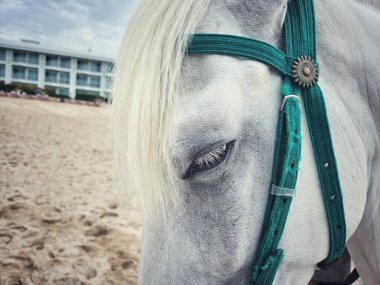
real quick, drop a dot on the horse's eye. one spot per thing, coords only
(209, 160)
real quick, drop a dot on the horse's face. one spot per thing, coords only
(229, 110)
(224, 148)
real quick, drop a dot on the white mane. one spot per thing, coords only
(144, 95)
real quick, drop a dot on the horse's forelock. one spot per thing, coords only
(144, 95)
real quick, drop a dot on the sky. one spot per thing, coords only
(72, 25)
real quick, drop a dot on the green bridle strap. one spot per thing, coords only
(300, 40)
(328, 172)
(243, 47)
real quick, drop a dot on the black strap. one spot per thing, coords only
(354, 275)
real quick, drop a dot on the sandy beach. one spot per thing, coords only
(59, 220)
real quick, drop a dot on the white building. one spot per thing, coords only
(81, 76)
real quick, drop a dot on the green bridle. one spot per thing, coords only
(300, 75)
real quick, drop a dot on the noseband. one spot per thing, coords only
(300, 72)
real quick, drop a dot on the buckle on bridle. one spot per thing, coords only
(286, 98)
(281, 191)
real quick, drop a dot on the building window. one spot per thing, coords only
(109, 80)
(18, 72)
(63, 91)
(82, 79)
(95, 66)
(52, 60)
(32, 74)
(19, 56)
(65, 62)
(57, 91)
(85, 65)
(86, 94)
(82, 64)
(64, 77)
(58, 61)
(2, 70)
(28, 73)
(2, 54)
(88, 80)
(51, 76)
(110, 67)
(95, 81)
(25, 57)
(33, 58)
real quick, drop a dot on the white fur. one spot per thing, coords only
(373, 3)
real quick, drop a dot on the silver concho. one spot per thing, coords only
(305, 71)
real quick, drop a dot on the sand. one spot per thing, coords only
(58, 218)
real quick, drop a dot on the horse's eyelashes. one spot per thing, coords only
(209, 160)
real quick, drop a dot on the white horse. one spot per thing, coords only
(195, 135)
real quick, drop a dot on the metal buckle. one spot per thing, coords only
(280, 191)
(286, 98)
